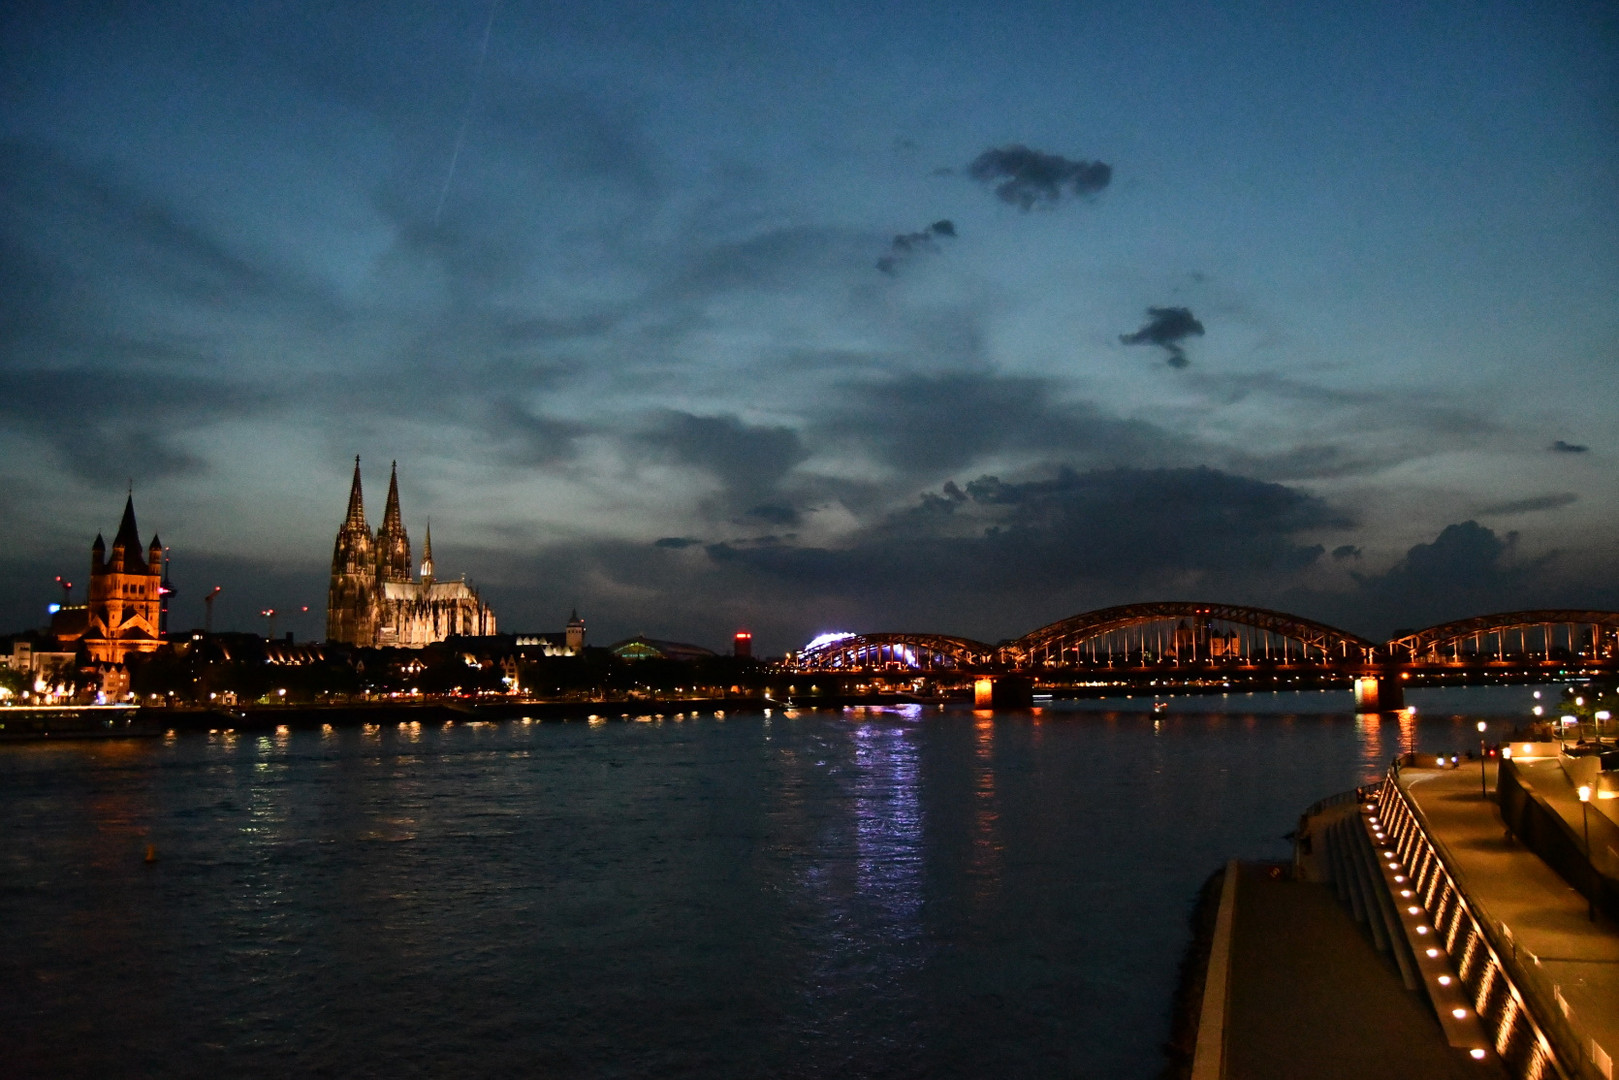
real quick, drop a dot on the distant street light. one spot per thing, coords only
(1483, 790)
(1590, 867)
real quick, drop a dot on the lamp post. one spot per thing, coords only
(1590, 867)
(1483, 788)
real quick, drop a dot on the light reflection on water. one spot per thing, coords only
(858, 893)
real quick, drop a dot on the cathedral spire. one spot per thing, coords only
(427, 553)
(391, 521)
(393, 544)
(356, 515)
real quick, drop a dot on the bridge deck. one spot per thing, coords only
(1508, 884)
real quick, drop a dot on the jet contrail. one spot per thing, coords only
(466, 117)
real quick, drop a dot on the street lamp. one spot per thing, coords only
(1590, 867)
(1483, 789)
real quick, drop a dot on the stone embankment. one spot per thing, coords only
(1411, 936)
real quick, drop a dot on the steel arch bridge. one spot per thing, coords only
(1202, 632)
(1553, 635)
(1234, 638)
(914, 652)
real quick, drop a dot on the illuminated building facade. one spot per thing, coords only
(125, 611)
(375, 600)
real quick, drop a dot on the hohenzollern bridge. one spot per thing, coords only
(1184, 644)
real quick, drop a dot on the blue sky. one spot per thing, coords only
(649, 305)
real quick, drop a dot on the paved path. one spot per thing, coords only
(1311, 997)
(1508, 884)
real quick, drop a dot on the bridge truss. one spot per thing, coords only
(1186, 633)
(1235, 638)
(896, 652)
(1551, 636)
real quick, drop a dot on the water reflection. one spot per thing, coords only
(888, 825)
(986, 842)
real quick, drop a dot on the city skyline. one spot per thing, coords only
(831, 320)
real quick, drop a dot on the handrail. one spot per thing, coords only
(1504, 993)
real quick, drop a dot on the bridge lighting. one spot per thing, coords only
(827, 639)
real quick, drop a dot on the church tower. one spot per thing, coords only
(351, 601)
(125, 598)
(427, 556)
(393, 545)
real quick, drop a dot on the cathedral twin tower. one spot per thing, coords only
(375, 599)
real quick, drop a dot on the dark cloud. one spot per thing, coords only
(749, 460)
(907, 245)
(1531, 505)
(1561, 447)
(1026, 178)
(774, 514)
(1345, 551)
(107, 425)
(997, 547)
(1167, 327)
(530, 438)
(899, 421)
(675, 543)
(1467, 569)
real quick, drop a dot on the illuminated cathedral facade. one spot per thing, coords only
(376, 600)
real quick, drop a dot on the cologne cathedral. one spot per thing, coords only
(375, 599)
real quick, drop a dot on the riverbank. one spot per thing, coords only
(130, 721)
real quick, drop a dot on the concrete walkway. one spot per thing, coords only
(1311, 997)
(1509, 886)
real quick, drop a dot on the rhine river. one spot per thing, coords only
(851, 893)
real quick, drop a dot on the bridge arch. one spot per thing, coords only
(1189, 632)
(878, 652)
(1549, 635)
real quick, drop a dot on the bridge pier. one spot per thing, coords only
(1003, 692)
(1379, 693)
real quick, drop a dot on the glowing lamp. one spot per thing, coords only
(1585, 792)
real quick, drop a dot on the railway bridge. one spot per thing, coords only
(1189, 643)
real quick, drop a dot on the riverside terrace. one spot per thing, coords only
(1181, 643)
(1469, 883)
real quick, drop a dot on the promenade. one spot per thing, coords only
(1539, 918)
(1311, 996)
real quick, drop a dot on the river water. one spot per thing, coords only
(855, 893)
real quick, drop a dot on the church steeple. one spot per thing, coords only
(391, 520)
(427, 554)
(356, 515)
(393, 544)
(354, 575)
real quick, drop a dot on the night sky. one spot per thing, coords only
(960, 318)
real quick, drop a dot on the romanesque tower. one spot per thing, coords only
(393, 546)
(351, 601)
(125, 594)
